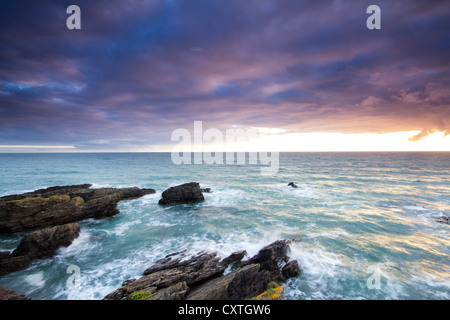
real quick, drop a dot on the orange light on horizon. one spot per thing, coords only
(277, 140)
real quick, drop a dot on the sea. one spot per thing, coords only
(367, 221)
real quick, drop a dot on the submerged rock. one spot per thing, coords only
(60, 205)
(38, 245)
(185, 193)
(201, 277)
(291, 184)
(443, 219)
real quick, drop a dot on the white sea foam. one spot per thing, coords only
(415, 208)
(350, 218)
(84, 242)
(320, 270)
(158, 223)
(224, 196)
(122, 228)
(333, 235)
(302, 190)
(36, 279)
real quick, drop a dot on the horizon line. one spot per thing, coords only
(224, 152)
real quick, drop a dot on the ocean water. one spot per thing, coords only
(367, 221)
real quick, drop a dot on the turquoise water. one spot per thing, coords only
(367, 221)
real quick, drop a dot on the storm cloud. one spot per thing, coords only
(137, 70)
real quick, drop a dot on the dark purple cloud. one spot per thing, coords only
(137, 70)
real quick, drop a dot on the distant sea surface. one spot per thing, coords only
(367, 221)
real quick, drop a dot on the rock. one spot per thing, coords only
(270, 259)
(291, 184)
(206, 190)
(12, 264)
(234, 257)
(443, 219)
(237, 285)
(185, 193)
(201, 276)
(44, 243)
(60, 205)
(174, 292)
(4, 254)
(11, 295)
(38, 245)
(290, 269)
(273, 292)
(173, 269)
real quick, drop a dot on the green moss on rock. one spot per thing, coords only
(140, 295)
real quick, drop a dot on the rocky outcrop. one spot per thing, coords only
(185, 193)
(443, 219)
(237, 285)
(271, 258)
(11, 295)
(60, 205)
(201, 277)
(292, 184)
(39, 245)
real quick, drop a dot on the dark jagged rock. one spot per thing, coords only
(39, 245)
(11, 295)
(271, 258)
(234, 257)
(201, 277)
(206, 190)
(240, 284)
(60, 205)
(4, 254)
(290, 269)
(185, 193)
(12, 264)
(443, 219)
(291, 184)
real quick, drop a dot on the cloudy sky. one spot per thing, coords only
(139, 69)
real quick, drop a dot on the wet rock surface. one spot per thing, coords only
(60, 205)
(11, 295)
(49, 217)
(182, 194)
(201, 276)
(443, 219)
(38, 245)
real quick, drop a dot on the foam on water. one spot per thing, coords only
(36, 279)
(222, 196)
(359, 216)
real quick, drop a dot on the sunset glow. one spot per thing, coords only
(313, 70)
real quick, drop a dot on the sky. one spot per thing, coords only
(310, 73)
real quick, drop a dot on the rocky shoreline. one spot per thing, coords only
(202, 276)
(60, 205)
(49, 218)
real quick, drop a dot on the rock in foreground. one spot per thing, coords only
(201, 277)
(11, 295)
(185, 193)
(39, 245)
(60, 205)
